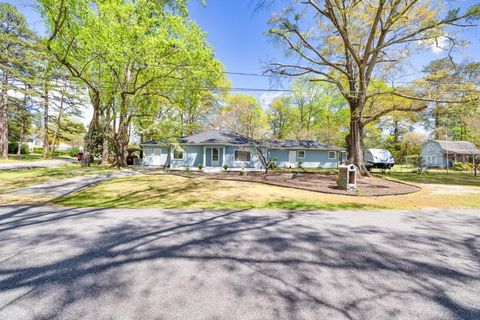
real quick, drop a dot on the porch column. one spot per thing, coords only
(204, 156)
(223, 162)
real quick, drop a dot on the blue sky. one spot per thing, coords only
(236, 31)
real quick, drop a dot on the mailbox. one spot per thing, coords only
(347, 177)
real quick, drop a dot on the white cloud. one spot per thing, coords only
(439, 45)
(266, 99)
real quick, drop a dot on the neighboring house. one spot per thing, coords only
(63, 147)
(435, 153)
(34, 141)
(217, 147)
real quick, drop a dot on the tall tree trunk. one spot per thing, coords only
(21, 136)
(105, 151)
(4, 118)
(88, 143)
(57, 129)
(46, 145)
(355, 140)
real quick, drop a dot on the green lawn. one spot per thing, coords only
(23, 158)
(12, 158)
(437, 177)
(13, 179)
(166, 191)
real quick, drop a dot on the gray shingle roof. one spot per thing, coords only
(459, 147)
(216, 137)
(302, 144)
(224, 137)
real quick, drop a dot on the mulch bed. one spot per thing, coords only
(319, 182)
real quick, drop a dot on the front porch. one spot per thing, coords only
(214, 157)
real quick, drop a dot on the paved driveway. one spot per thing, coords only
(156, 264)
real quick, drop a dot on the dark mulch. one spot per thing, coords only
(319, 181)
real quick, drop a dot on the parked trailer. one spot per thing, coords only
(378, 158)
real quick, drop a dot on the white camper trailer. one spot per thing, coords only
(378, 158)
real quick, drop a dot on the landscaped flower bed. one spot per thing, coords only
(321, 182)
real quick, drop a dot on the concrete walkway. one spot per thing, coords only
(62, 263)
(35, 164)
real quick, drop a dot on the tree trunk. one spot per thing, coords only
(105, 152)
(57, 129)
(355, 145)
(88, 143)
(4, 118)
(46, 145)
(20, 138)
(121, 143)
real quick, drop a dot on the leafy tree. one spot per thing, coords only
(15, 42)
(446, 75)
(349, 43)
(242, 115)
(280, 117)
(127, 52)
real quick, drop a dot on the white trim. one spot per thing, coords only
(334, 157)
(304, 154)
(204, 156)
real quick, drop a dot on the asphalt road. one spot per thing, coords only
(60, 263)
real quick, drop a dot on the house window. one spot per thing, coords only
(301, 154)
(242, 155)
(158, 152)
(148, 152)
(332, 155)
(178, 155)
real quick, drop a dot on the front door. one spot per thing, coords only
(215, 157)
(292, 157)
(157, 157)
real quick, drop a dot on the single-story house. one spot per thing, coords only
(436, 153)
(216, 148)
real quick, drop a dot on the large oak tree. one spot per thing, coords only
(350, 42)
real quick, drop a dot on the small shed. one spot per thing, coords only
(439, 154)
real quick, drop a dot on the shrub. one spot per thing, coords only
(73, 151)
(300, 163)
(38, 150)
(58, 153)
(458, 166)
(200, 166)
(273, 164)
(225, 167)
(13, 148)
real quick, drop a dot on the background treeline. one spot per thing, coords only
(145, 70)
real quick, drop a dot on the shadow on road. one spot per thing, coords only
(245, 264)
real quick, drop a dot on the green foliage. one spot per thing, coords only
(243, 115)
(312, 111)
(38, 150)
(73, 151)
(225, 167)
(200, 166)
(13, 148)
